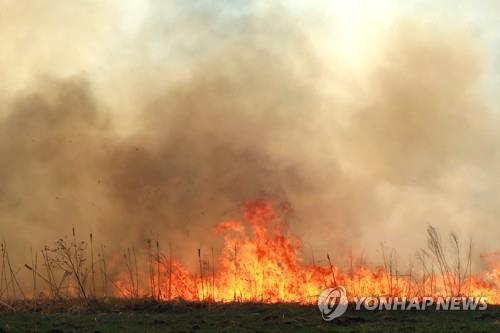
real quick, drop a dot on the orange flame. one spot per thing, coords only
(264, 265)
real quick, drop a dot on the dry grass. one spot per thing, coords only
(70, 274)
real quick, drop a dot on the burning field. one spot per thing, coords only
(195, 165)
(258, 263)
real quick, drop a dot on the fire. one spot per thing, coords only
(261, 262)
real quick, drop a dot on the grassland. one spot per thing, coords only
(147, 316)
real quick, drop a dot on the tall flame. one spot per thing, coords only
(260, 262)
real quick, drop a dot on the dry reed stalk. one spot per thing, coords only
(34, 263)
(3, 276)
(106, 278)
(331, 270)
(31, 269)
(469, 265)
(151, 270)
(103, 273)
(50, 276)
(213, 275)
(396, 271)
(136, 274)
(75, 263)
(170, 272)
(235, 271)
(92, 265)
(201, 275)
(158, 269)
(422, 255)
(313, 259)
(410, 274)
(13, 275)
(126, 256)
(457, 276)
(359, 268)
(386, 269)
(453, 276)
(435, 246)
(10, 307)
(350, 270)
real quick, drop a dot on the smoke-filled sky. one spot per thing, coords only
(137, 119)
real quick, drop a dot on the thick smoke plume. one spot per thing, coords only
(185, 122)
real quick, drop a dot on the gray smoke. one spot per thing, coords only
(190, 120)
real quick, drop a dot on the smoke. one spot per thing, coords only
(174, 129)
(423, 136)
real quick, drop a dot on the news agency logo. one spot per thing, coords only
(333, 303)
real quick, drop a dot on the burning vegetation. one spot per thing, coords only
(259, 262)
